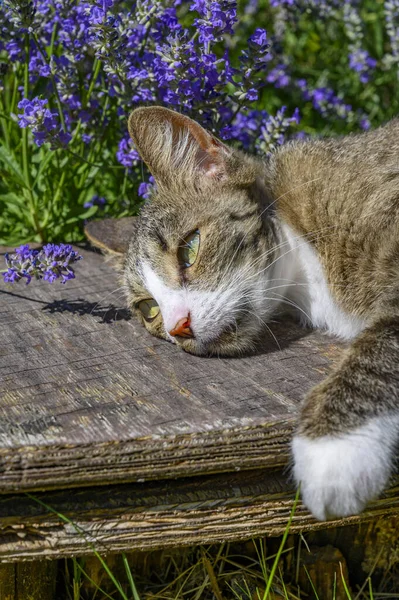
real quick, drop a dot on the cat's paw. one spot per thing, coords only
(339, 475)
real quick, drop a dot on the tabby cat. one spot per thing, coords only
(227, 240)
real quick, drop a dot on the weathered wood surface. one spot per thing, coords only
(190, 511)
(88, 397)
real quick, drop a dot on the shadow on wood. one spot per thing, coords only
(107, 314)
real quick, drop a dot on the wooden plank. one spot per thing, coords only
(87, 396)
(196, 510)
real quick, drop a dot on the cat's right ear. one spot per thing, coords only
(173, 145)
(111, 235)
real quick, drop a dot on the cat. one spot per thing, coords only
(228, 240)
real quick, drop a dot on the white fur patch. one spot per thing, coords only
(316, 300)
(210, 312)
(171, 302)
(340, 475)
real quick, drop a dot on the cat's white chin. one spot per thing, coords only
(339, 475)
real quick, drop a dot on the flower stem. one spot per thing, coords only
(97, 67)
(57, 96)
(25, 150)
(3, 119)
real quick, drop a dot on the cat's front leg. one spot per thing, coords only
(347, 439)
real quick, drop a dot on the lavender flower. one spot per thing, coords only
(90, 62)
(329, 104)
(43, 122)
(279, 76)
(127, 155)
(146, 55)
(50, 263)
(273, 130)
(359, 59)
(95, 201)
(217, 18)
(391, 8)
(361, 62)
(147, 188)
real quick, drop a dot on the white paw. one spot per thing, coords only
(339, 475)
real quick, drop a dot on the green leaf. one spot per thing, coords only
(89, 213)
(9, 161)
(43, 165)
(13, 199)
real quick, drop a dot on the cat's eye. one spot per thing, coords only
(149, 309)
(187, 253)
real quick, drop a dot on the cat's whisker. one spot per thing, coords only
(279, 257)
(307, 237)
(265, 324)
(284, 300)
(264, 211)
(118, 289)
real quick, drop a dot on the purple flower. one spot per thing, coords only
(95, 201)
(359, 59)
(43, 122)
(94, 60)
(279, 76)
(273, 130)
(276, 3)
(127, 155)
(146, 188)
(199, 6)
(12, 276)
(365, 123)
(218, 19)
(50, 263)
(86, 138)
(361, 62)
(14, 50)
(24, 251)
(252, 95)
(259, 37)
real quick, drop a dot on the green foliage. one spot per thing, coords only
(43, 191)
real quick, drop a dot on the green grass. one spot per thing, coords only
(264, 569)
(225, 572)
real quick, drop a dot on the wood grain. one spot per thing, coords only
(195, 510)
(127, 443)
(88, 397)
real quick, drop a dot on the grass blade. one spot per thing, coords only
(280, 550)
(130, 577)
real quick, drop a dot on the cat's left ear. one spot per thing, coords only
(172, 144)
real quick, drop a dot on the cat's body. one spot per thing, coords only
(229, 241)
(349, 214)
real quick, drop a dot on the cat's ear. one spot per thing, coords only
(112, 235)
(172, 144)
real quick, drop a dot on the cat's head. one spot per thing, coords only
(197, 263)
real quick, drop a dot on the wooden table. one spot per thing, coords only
(114, 440)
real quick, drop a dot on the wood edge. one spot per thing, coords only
(32, 468)
(166, 523)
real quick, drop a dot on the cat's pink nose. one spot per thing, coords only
(182, 328)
